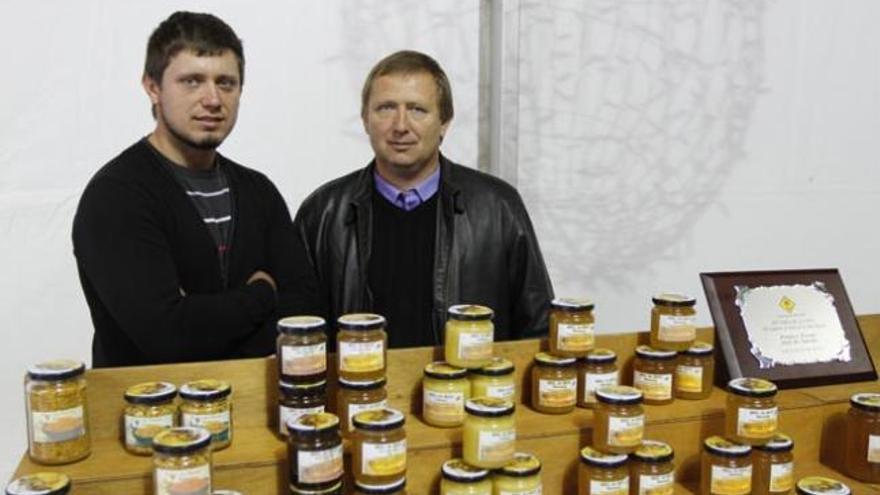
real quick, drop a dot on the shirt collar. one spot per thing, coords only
(410, 199)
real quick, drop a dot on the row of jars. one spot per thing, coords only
(520, 476)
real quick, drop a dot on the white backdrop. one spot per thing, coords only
(650, 140)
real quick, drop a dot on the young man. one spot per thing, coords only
(183, 254)
(414, 233)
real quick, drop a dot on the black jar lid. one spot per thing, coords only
(499, 366)
(652, 451)
(866, 401)
(699, 349)
(56, 370)
(600, 356)
(441, 370)
(571, 304)
(725, 448)
(361, 321)
(653, 354)
(522, 465)
(461, 472)
(593, 457)
(489, 407)
(181, 440)
(673, 300)
(365, 385)
(205, 390)
(619, 394)
(293, 325)
(470, 312)
(41, 483)
(547, 359)
(379, 419)
(779, 442)
(752, 387)
(819, 485)
(302, 389)
(313, 423)
(150, 393)
(386, 489)
(333, 490)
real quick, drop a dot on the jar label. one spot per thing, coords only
(617, 487)
(219, 424)
(731, 481)
(361, 357)
(575, 338)
(58, 426)
(139, 431)
(557, 393)
(289, 414)
(756, 423)
(595, 381)
(655, 386)
(356, 408)
(626, 431)
(873, 448)
(501, 391)
(475, 345)
(658, 484)
(175, 481)
(444, 407)
(303, 360)
(319, 466)
(677, 328)
(383, 459)
(781, 477)
(689, 378)
(528, 491)
(495, 446)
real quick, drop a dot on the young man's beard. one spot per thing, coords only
(206, 144)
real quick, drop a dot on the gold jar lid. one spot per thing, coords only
(752, 387)
(594, 457)
(699, 349)
(721, 446)
(521, 465)
(547, 359)
(866, 401)
(205, 390)
(57, 369)
(619, 394)
(499, 366)
(442, 370)
(43, 483)
(489, 407)
(361, 321)
(379, 419)
(181, 440)
(470, 312)
(674, 300)
(648, 352)
(314, 423)
(300, 324)
(779, 442)
(150, 393)
(461, 472)
(819, 485)
(601, 355)
(654, 452)
(572, 304)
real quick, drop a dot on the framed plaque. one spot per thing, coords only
(793, 327)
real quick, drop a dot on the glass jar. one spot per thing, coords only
(296, 400)
(469, 336)
(651, 468)
(301, 349)
(336, 489)
(597, 370)
(394, 488)
(460, 478)
(773, 466)
(602, 474)
(314, 452)
(751, 415)
(361, 347)
(182, 461)
(355, 397)
(40, 484)
(725, 468)
(489, 432)
(695, 372)
(653, 374)
(378, 452)
(862, 441)
(57, 412)
(673, 322)
(444, 390)
(520, 476)
(494, 380)
(207, 404)
(554, 384)
(818, 485)
(571, 327)
(618, 419)
(149, 409)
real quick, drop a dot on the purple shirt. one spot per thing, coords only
(410, 199)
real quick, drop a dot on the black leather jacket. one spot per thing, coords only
(486, 251)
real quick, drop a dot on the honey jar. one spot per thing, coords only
(600, 473)
(819, 485)
(520, 476)
(618, 419)
(489, 432)
(460, 478)
(43, 483)
(673, 322)
(571, 327)
(355, 397)
(445, 388)
(301, 349)
(57, 412)
(314, 450)
(378, 452)
(207, 404)
(597, 370)
(554, 384)
(296, 400)
(752, 415)
(695, 372)
(361, 347)
(653, 374)
(725, 468)
(773, 466)
(651, 468)
(862, 441)
(493, 380)
(149, 409)
(469, 336)
(182, 461)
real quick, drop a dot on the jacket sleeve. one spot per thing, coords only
(124, 253)
(531, 290)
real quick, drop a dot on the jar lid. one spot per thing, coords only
(150, 393)
(547, 359)
(300, 324)
(522, 465)
(379, 419)
(314, 423)
(364, 385)
(499, 366)
(699, 349)
(459, 471)
(205, 390)
(571, 304)
(470, 312)
(779, 442)
(333, 490)
(489, 407)
(392, 487)
(442, 370)
(57, 369)
(361, 321)
(672, 299)
(866, 401)
(302, 389)
(648, 352)
(601, 355)
(181, 440)
(818, 485)
(43, 483)
(225, 492)
(594, 457)
(752, 387)
(619, 394)
(654, 452)
(724, 447)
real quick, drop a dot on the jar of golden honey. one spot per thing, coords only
(355, 397)
(618, 419)
(182, 461)
(397, 487)
(149, 409)
(42, 483)
(695, 372)
(469, 336)
(494, 380)
(819, 485)
(489, 432)
(296, 400)
(752, 415)
(445, 388)
(597, 370)
(654, 373)
(725, 467)
(207, 404)
(571, 327)
(314, 452)
(361, 347)
(554, 384)
(651, 468)
(862, 459)
(600, 473)
(57, 412)
(301, 349)
(378, 452)
(773, 466)
(673, 322)
(460, 478)
(520, 476)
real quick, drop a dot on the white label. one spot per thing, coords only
(361, 357)
(219, 424)
(660, 484)
(356, 408)
(139, 432)
(756, 423)
(288, 414)
(626, 431)
(731, 481)
(595, 381)
(781, 477)
(494, 446)
(529, 491)
(303, 360)
(655, 386)
(619, 487)
(689, 378)
(873, 448)
(575, 338)
(475, 345)
(383, 459)
(319, 466)
(175, 481)
(501, 391)
(673, 328)
(58, 426)
(444, 406)
(557, 393)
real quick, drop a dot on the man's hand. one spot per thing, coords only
(261, 275)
